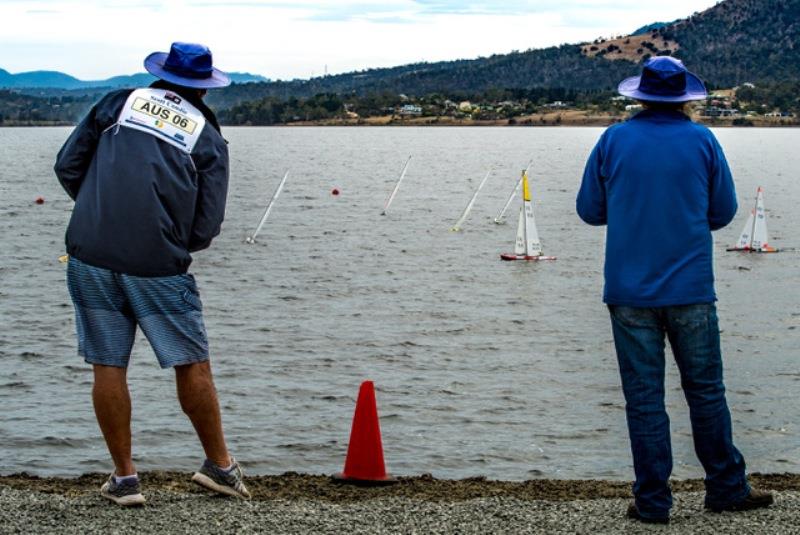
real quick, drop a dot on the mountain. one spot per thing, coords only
(650, 27)
(734, 42)
(59, 80)
(740, 41)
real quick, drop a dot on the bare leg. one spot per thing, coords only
(112, 406)
(198, 399)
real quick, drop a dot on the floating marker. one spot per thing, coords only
(527, 246)
(335, 192)
(39, 200)
(754, 237)
(396, 187)
(252, 237)
(500, 217)
(457, 226)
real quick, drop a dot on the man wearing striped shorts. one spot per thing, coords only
(148, 170)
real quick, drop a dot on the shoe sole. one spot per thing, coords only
(205, 481)
(125, 501)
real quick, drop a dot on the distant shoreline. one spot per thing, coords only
(552, 118)
(567, 118)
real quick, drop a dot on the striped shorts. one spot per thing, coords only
(109, 306)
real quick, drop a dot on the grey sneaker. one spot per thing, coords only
(124, 493)
(230, 483)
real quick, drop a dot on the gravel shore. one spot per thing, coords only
(294, 503)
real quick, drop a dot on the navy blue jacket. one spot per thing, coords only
(141, 205)
(661, 183)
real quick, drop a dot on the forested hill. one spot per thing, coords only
(741, 41)
(734, 42)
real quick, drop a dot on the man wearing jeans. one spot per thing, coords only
(661, 184)
(148, 170)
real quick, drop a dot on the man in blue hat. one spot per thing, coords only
(148, 171)
(661, 184)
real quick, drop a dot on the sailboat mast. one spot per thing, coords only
(396, 187)
(499, 218)
(268, 209)
(755, 219)
(526, 199)
(468, 209)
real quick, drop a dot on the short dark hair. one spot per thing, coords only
(664, 106)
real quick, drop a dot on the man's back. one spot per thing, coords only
(661, 184)
(141, 203)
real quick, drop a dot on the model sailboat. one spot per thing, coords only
(754, 236)
(527, 246)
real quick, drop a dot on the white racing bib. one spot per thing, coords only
(163, 114)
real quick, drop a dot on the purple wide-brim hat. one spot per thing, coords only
(664, 79)
(188, 65)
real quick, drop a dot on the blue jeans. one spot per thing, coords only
(693, 333)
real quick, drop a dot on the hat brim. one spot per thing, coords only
(154, 63)
(695, 90)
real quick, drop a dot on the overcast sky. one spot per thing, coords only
(93, 39)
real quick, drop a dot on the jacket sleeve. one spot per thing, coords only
(75, 156)
(213, 171)
(722, 193)
(591, 201)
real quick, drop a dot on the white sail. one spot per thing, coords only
(527, 245)
(746, 237)
(471, 203)
(533, 245)
(754, 236)
(252, 238)
(519, 245)
(760, 239)
(388, 202)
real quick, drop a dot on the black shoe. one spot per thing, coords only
(634, 513)
(755, 500)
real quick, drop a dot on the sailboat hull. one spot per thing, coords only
(749, 250)
(511, 257)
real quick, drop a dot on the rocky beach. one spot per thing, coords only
(298, 503)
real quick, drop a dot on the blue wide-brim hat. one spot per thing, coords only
(188, 65)
(664, 79)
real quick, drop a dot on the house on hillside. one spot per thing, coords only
(716, 111)
(411, 110)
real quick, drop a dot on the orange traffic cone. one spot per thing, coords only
(364, 464)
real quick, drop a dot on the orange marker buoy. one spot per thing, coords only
(364, 463)
(335, 191)
(39, 200)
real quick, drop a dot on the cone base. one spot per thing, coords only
(345, 480)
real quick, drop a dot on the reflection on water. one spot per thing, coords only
(482, 367)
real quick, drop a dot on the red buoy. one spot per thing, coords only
(335, 191)
(39, 200)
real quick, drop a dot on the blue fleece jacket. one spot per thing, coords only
(661, 183)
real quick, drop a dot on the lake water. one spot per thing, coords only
(482, 367)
